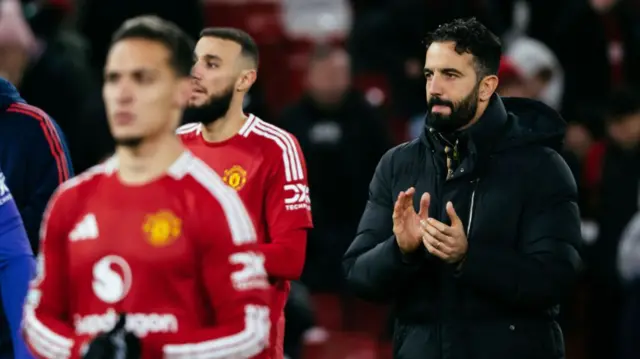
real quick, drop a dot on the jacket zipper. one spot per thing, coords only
(473, 202)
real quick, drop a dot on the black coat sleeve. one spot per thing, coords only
(540, 272)
(374, 265)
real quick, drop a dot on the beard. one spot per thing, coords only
(462, 112)
(215, 108)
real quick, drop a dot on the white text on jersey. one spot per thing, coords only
(298, 197)
(140, 324)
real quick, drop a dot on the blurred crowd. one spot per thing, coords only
(345, 77)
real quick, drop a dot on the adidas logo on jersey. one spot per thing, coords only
(87, 228)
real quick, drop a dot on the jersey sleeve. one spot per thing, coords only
(288, 212)
(233, 274)
(47, 323)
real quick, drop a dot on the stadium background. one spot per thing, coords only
(345, 76)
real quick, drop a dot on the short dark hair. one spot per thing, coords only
(153, 28)
(248, 47)
(470, 36)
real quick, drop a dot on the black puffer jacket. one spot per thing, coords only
(517, 199)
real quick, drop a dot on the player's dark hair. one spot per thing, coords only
(470, 36)
(153, 28)
(248, 46)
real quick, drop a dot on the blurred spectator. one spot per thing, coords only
(539, 66)
(598, 43)
(342, 137)
(616, 203)
(33, 156)
(51, 74)
(17, 42)
(35, 161)
(512, 83)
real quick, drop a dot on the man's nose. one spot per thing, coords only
(125, 94)
(195, 72)
(434, 86)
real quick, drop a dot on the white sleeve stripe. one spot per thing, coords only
(245, 344)
(292, 150)
(46, 332)
(240, 225)
(44, 348)
(189, 127)
(291, 144)
(285, 158)
(42, 337)
(247, 124)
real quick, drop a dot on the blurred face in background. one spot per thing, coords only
(625, 131)
(602, 6)
(216, 73)
(329, 78)
(143, 95)
(452, 87)
(16, 41)
(13, 62)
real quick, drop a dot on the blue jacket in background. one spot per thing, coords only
(33, 156)
(17, 267)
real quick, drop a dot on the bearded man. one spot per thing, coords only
(472, 231)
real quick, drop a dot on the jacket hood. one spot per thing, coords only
(532, 122)
(8, 94)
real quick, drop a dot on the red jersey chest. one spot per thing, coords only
(242, 167)
(132, 252)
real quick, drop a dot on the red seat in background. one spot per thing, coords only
(343, 345)
(328, 311)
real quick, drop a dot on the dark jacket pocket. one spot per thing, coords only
(516, 339)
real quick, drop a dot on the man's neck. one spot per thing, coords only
(225, 127)
(148, 161)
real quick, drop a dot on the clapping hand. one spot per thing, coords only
(406, 222)
(446, 242)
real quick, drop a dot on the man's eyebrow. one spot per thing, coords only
(212, 57)
(448, 70)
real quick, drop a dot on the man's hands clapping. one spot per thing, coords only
(449, 243)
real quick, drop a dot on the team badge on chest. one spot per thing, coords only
(235, 177)
(162, 228)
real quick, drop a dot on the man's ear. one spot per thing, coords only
(246, 79)
(488, 86)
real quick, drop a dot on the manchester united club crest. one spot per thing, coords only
(235, 177)
(162, 228)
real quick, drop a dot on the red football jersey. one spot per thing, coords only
(178, 255)
(265, 165)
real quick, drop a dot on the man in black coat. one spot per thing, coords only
(477, 267)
